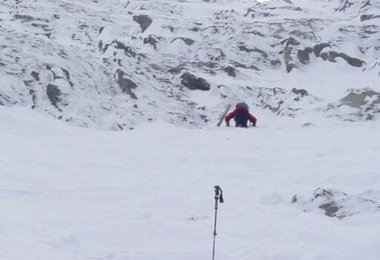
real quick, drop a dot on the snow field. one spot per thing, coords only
(75, 193)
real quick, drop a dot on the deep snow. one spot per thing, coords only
(75, 193)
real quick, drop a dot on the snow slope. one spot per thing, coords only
(76, 193)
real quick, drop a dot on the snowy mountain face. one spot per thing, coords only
(115, 64)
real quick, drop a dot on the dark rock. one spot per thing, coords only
(324, 56)
(188, 41)
(28, 83)
(366, 17)
(275, 62)
(365, 4)
(4, 99)
(358, 99)
(33, 94)
(242, 47)
(67, 76)
(249, 10)
(192, 82)
(151, 40)
(231, 71)
(66, 72)
(289, 64)
(176, 70)
(319, 47)
(364, 103)
(301, 92)
(330, 209)
(194, 29)
(352, 61)
(143, 20)
(25, 18)
(330, 201)
(344, 5)
(308, 124)
(304, 55)
(35, 75)
(240, 65)
(119, 45)
(290, 41)
(54, 94)
(339, 204)
(126, 84)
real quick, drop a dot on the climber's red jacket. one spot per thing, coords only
(237, 110)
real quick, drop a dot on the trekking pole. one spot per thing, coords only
(218, 198)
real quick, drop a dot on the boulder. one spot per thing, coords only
(192, 82)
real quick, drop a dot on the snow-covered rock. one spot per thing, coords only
(358, 104)
(339, 204)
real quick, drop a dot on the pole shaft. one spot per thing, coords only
(215, 220)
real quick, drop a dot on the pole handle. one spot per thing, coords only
(219, 194)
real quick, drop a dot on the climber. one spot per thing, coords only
(241, 116)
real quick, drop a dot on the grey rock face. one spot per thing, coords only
(192, 82)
